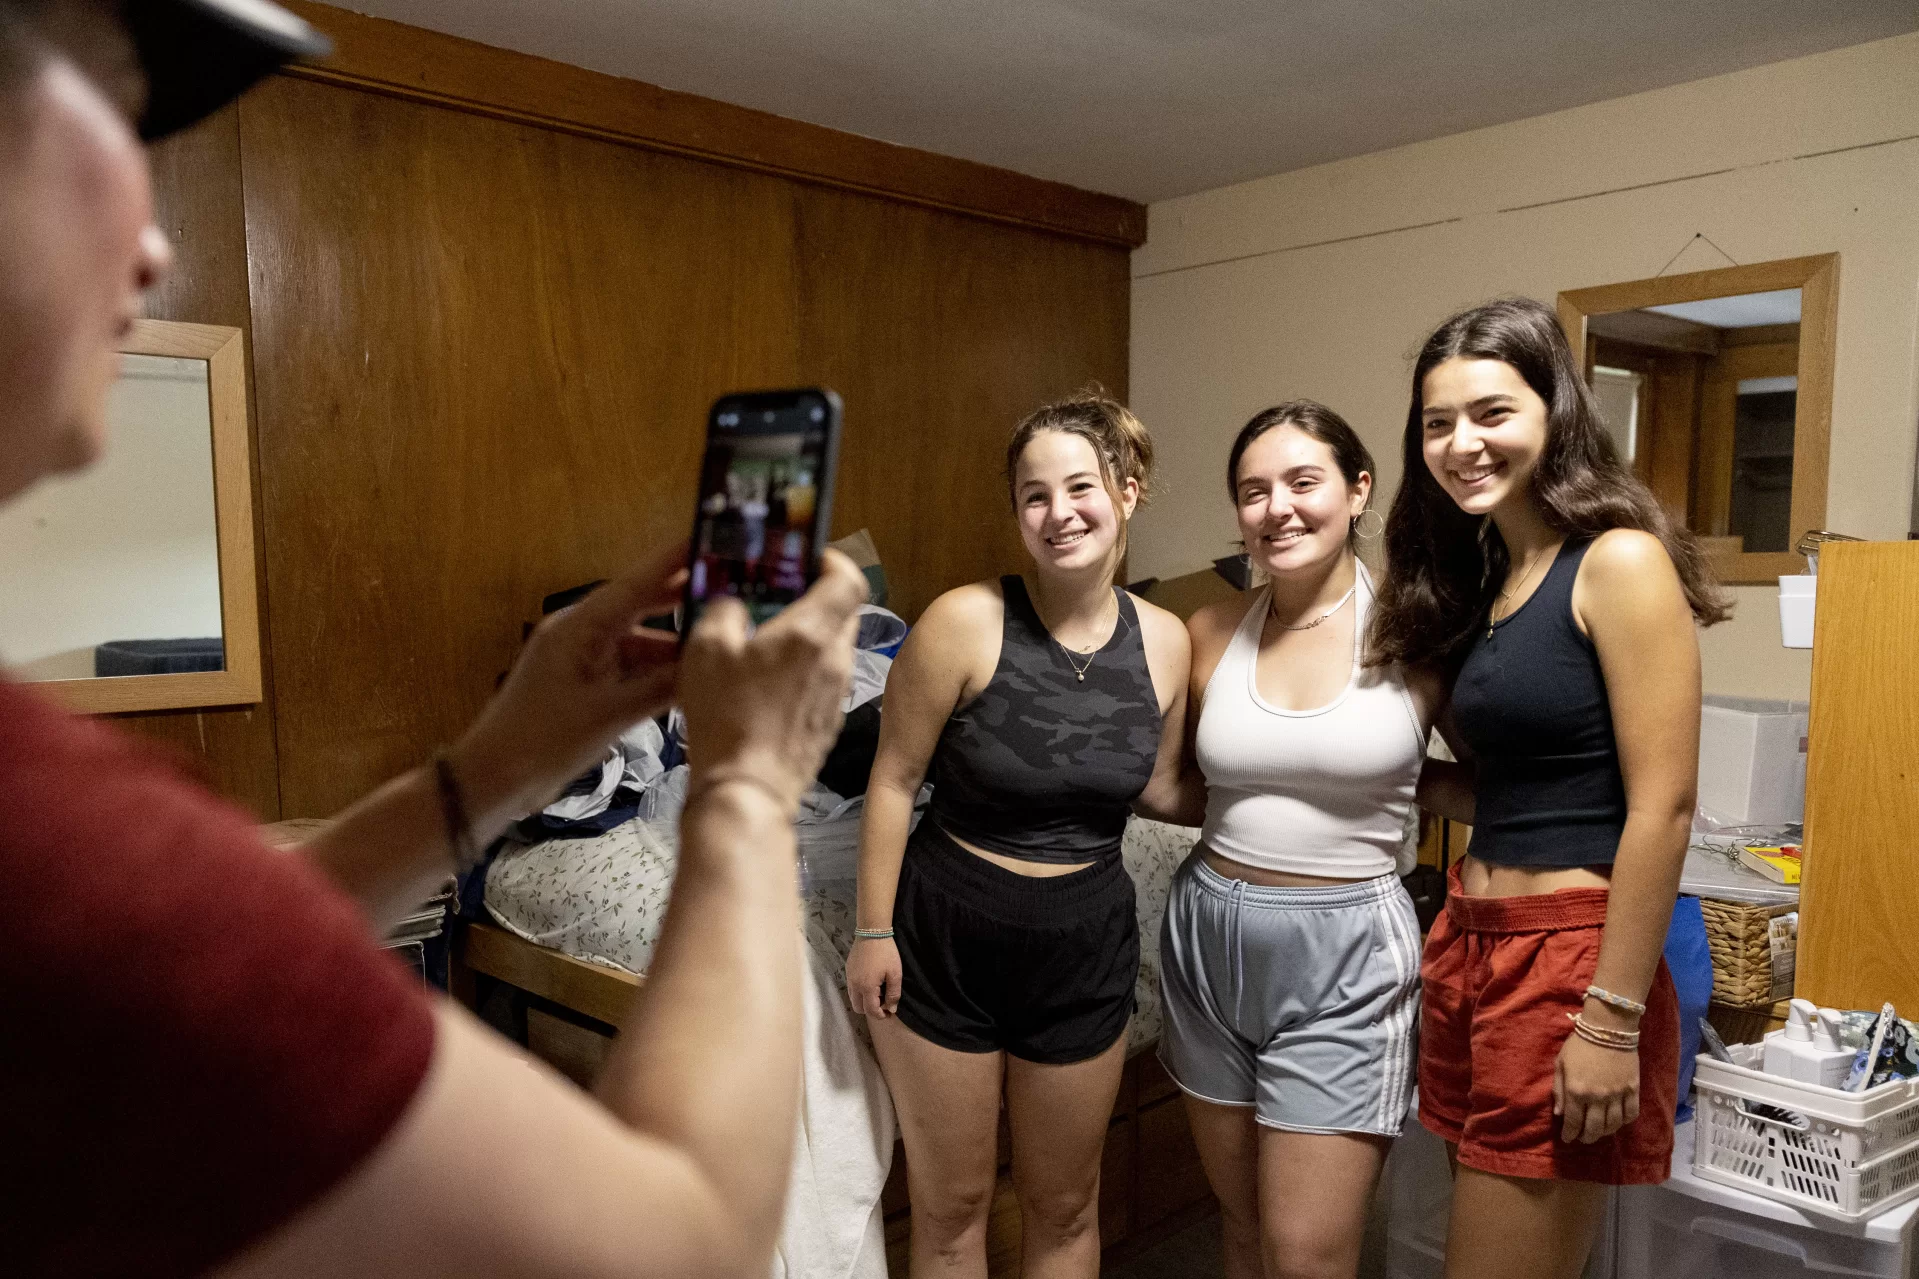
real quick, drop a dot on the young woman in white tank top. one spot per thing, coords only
(1290, 954)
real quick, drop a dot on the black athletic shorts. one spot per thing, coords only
(1041, 968)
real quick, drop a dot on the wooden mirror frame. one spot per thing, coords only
(1817, 279)
(239, 684)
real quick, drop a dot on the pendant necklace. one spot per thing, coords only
(1079, 669)
(1491, 620)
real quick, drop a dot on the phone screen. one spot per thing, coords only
(765, 499)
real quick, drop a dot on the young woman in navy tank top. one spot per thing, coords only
(1527, 561)
(1289, 956)
(997, 947)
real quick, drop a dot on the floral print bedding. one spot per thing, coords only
(602, 899)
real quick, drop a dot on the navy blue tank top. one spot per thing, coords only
(1531, 702)
(1044, 765)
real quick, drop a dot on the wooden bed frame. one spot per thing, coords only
(1150, 1186)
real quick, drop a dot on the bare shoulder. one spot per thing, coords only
(1161, 629)
(1213, 625)
(1626, 583)
(965, 612)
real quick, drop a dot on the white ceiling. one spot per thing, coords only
(1157, 98)
(1743, 311)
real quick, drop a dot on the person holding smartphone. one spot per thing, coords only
(210, 1067)
(997, 946)
(1527, 561)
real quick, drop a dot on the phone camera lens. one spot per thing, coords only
(767, 416)
(818, 414)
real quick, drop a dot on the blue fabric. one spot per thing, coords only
(1689, 959)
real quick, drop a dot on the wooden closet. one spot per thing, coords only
(1859, 903)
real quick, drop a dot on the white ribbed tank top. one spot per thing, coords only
(1323, 792)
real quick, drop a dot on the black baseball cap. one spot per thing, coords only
(200, 55)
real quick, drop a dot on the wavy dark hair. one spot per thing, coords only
(1443, 565)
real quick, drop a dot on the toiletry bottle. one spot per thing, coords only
(1828, 1062)
(1784, 1047)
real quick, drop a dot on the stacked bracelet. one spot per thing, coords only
(1604, 1036)
(1620, 1002)
(873, 934)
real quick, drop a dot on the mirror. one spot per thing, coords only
(1717, 387)
(130, 586)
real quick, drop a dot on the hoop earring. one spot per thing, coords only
(1361, 531)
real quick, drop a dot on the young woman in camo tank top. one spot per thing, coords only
(998, 945)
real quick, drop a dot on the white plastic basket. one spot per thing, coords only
(1860, 1156)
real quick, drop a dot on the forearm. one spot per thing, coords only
(1179, 799)
(706, 1060)
(1447, 789)
(884, 828)
(391, 850)
(1645, 880)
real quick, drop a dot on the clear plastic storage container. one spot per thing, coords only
(1694, 1229)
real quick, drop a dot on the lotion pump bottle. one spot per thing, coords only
(1827, 1064)
(1783, 1047)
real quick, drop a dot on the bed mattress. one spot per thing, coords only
(603, 899)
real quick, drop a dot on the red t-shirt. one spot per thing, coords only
(198, 1036)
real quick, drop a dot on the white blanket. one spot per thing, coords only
(833, 1228)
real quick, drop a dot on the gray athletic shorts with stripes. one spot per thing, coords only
(1300, 1002)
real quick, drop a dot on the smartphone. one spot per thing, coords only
(765, 500)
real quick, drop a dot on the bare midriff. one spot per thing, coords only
(1032, 870)
(1483, 879)
(1265, 878)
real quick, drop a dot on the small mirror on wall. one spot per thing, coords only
(1717, 387)
(130, 586)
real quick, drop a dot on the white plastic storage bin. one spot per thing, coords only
(1798, 599)
(1417, 1187)
(1752, 760)
(1692, 1229)
(1860, 1156)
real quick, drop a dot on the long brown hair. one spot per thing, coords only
(1443, 565)
(1120, 441)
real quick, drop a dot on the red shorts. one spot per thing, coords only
(1499, 976)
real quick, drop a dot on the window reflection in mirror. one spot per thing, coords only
(116, 571)
(1701, 398)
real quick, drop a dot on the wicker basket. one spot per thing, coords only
(1747, 967)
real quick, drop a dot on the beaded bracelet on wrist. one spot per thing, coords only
(1620, 1002)
(873, 934)
(1605, 1037)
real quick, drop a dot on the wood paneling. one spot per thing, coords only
(388, 57)
(200, 204)
(484, 355)
(941, 333)
(1861, 890)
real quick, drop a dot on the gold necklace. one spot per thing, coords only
(1492, 618)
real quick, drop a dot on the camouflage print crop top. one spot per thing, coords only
(1044, 765)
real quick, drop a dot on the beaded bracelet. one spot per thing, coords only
(1605, 1037)
(873, 934)
(1632, 1006)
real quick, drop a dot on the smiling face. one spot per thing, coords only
(1067, 517)
(1295, 507)
(77, 242)
(1483, 431)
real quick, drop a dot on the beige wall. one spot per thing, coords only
(1323, 282)
(126, 550)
